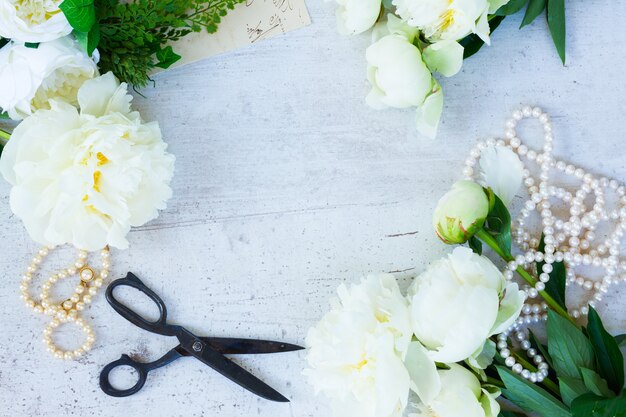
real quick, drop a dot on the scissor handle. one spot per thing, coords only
(141, 368)
(125, 360)
(159, 326)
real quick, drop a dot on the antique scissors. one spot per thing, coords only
(208, 350)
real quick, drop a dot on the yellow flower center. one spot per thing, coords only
(37, 11)
(96, 180)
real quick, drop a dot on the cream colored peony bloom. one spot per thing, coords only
(459, 302)
(32, 77)
(356, 351)
(502, 171)
(356, 16)
(446, 20)
(400, 76)
(461, 395)
(32, 20)
(86, 177)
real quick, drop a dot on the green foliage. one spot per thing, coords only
(166, 57)
(89, 40)
(472, 43)
(498, 225)
(134, 36)
(3, 42)
(475, 245)
(571, 388)
(535, 8)
(591, 405)
(529, 396)
(568, 346)
(556, 286)
(595, 383)
(511, 7)
(504, 413)
(32, 45)
(609, 357)
(81, 14)
(556, 23)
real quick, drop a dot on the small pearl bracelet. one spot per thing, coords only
(569, 240)
(68, 310)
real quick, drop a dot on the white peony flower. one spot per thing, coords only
(86, 177)
(461, 212)
(32, 20)
(356, 350)
(448, 20)
(399, 76)
(461, 395)
(32, 77)
(357, 16)
(459, 302)
(502, 171)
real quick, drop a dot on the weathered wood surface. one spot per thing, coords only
(286, 185)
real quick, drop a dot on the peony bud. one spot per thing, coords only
(461, 212)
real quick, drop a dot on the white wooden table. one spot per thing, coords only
(288, 184)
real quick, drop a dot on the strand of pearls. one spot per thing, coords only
(569, 239)
(68, 310)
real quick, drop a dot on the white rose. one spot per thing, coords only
(461, 212)
(357, 16)
(446, 19)
(502, 171)
(461, 395)
(32, 77)
(32, 20)
(459, 302)
(86, 177)
(355, 352)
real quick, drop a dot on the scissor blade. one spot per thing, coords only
(238, 375)
(237, 346)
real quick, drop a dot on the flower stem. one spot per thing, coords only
(4, 136)
(483, 235)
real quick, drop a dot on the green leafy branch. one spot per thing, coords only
(134, 37)
(555, 15)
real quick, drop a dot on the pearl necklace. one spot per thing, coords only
(567, 240)
(68, 310)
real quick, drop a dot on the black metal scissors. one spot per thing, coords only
(208, 350)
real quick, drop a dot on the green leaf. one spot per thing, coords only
(166, 57)
(498, 224)
(610, 359)
(475, 245)
(529, 396)
(472, 43)
(556, 23)
(510, 414)
(595, 383)
(89, 41)
(621, 340)
(4, 115)
(556, 286)
(591, 405)
(511, 7)
(3, 41)
(535, 8)
(81, 14)
(32, 45)
(571, 388)
(568, 347)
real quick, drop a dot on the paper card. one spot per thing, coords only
(249, 23)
